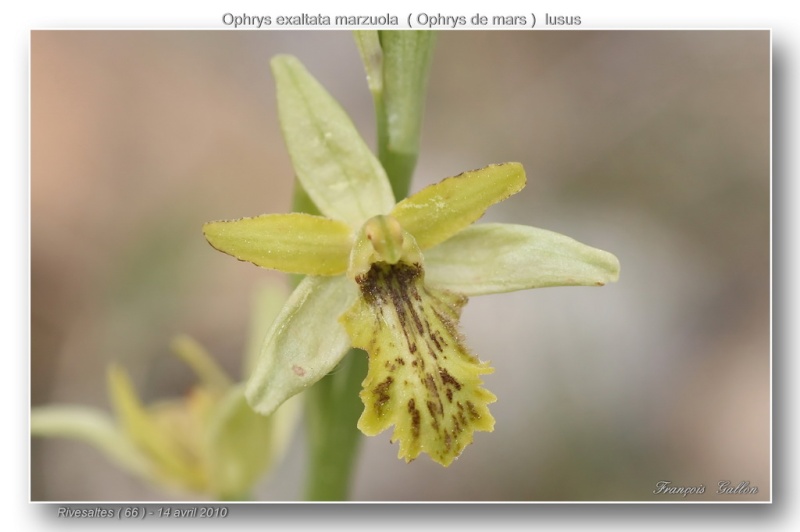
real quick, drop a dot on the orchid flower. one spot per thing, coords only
(390, 278)
(208, 442)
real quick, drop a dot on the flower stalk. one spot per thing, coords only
(397, 64)
(333, 406)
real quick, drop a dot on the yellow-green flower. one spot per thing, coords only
(390, 278)
(209, 442)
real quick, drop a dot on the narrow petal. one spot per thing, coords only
(331, 160)
(211, 375)
(421, 377)
(304, 344)
(96, 428)
(292, 243)
(439, 211)
(143, 429)
(494, 258)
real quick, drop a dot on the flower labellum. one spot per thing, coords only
(421, 378)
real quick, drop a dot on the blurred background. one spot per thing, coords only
(654, 145)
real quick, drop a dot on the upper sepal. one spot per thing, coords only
(334, 164)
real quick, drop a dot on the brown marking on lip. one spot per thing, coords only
(415, 418)
(449, 379)
(381, 391)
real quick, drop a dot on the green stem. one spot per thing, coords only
(400, 102)
(399, 165)
(400, 65)
(332, 409)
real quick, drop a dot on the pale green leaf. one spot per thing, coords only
(331, 160)
(494, 258)
(439, 211)
(292, 243)
(96, 428)
(305, 342)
